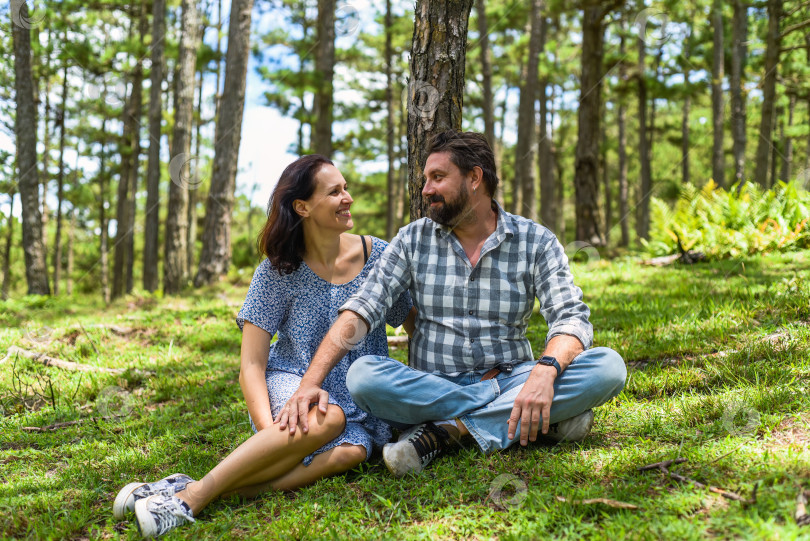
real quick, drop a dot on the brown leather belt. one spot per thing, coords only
(491, 374)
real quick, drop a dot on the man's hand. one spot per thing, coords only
(533, 403)
(296, 410)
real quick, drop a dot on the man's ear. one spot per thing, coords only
(477, 177)
(301, 208)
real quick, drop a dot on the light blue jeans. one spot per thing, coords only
(403, 396)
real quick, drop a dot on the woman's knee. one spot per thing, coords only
(329, 425)
(346, 456)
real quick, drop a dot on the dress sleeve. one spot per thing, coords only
(266, 301)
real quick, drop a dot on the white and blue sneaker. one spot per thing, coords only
(131, 493)
(159, 514)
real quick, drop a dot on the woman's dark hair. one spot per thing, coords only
(282, 237)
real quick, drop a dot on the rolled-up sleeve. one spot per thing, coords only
(385, 284)
(560, 299)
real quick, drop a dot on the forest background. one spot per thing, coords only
(627, 124)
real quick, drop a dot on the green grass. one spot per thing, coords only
(741, 418)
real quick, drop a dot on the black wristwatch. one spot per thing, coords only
(548, 360)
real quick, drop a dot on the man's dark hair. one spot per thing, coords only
(467, 149)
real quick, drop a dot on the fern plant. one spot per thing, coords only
(724, 224)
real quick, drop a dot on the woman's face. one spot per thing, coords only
(329, 204)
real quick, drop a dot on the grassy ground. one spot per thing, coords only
(740, 417)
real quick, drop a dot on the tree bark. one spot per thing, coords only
(128, 180)
(718, 159)
(621, 150)
(548, 207)
(391, 217)
(325, 70)
(215, 257)
(772, 178)
(152, 225)
(192, 194)
(787, 156)
(436, 85)
(764, 142)
(105, 232)
(175, 263)
(7, 250)
(60, 190)
(71, 237)
(524, 149)
(739, 48)
(586, 164)
(25, 127)
(643, 208)
(488, 106)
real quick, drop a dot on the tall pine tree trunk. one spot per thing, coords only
(7, 249)
(60, 190)
(524, 149)
(773, 42)
(739, 35)
(175, 262)
(391, 181)
(25, 128)
(586, 164)
(718, 160)
(191, 241)
(787, 156)
(325, 70)
(71, 236)
(488, 106)
(152, 225)
(548, 207)
(643, 208)
(128, 180)
(436, 85)
(216, 250)
(102, 201)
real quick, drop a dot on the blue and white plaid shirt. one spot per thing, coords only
(475, 318)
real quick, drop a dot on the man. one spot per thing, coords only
(473, 272)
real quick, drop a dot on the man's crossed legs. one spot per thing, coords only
(403, 396)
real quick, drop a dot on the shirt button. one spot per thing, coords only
(472, 340)
(471, 312)
(472, 279)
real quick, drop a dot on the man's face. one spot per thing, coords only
(445, 189)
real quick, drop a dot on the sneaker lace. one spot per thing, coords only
(170, 513)
(428, 441)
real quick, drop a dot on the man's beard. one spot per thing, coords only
(448, 213)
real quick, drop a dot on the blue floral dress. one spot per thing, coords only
(301, 307)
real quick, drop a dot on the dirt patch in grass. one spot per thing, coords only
(792, 432)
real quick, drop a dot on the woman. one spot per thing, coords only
(313, 266)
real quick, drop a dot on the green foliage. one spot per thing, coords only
(731, 223)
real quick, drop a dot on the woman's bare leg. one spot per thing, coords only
(268, 454)
(334, 461)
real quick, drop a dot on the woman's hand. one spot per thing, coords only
(296, 409)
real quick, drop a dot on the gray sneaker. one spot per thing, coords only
(159, 514)
(131, 493)
(574, 429)
(415, 449)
